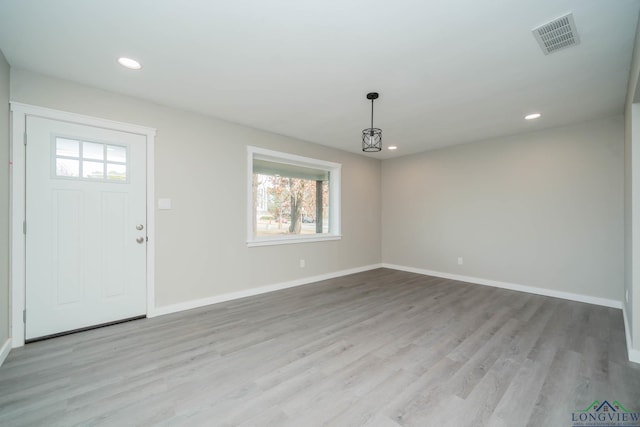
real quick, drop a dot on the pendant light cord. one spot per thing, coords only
(372, 114)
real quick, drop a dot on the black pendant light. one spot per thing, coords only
(372, 137)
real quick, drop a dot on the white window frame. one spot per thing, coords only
(334, 170)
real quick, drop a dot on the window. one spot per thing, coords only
(91, 161)
(291, 199)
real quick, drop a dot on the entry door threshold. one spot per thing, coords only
(86, 328)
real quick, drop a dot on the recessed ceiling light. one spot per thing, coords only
(129, 63)
(392, 147)
(532, 116)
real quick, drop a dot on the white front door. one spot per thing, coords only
(85, 226)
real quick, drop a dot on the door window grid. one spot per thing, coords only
(90, 161)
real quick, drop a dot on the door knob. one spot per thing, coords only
(140, 239)
(139, 227)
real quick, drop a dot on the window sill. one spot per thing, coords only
(291, 240)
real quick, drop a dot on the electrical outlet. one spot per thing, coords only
(303, 264)
(460, 262)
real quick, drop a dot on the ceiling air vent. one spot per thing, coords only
(557, 34)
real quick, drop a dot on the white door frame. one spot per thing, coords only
(18, 196)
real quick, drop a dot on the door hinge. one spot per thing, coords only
(25, 138)
(24, 227)
(24, 316)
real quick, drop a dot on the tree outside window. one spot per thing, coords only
(289, 205)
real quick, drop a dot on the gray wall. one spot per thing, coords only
(4, 200)
(632, 199)
(201, 165)
(542, 209)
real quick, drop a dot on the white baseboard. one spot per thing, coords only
(512, 286)
(187, 305)
(634, 355)
(4, 350)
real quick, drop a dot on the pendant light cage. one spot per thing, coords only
(372, 137)
(371, 140)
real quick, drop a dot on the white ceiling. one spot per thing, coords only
(448, 72)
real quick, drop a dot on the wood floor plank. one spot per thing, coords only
(380, 348)
(518, 401)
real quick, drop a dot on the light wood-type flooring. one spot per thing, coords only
(380, 348)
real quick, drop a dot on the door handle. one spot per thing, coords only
(140, 240)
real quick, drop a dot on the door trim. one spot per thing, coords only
(17, 166)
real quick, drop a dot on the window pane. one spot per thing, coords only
(116, 172)
(93, 170)
(116, 153)
(67, 147)
(290, 206)
(91, 150)
(67, 167)
(293, 199)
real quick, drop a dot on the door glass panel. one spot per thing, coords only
(91, 150)
(87, 160)
(68, 167)
(116, 153)
(116, 172)
(67, 147)
(93, 170)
